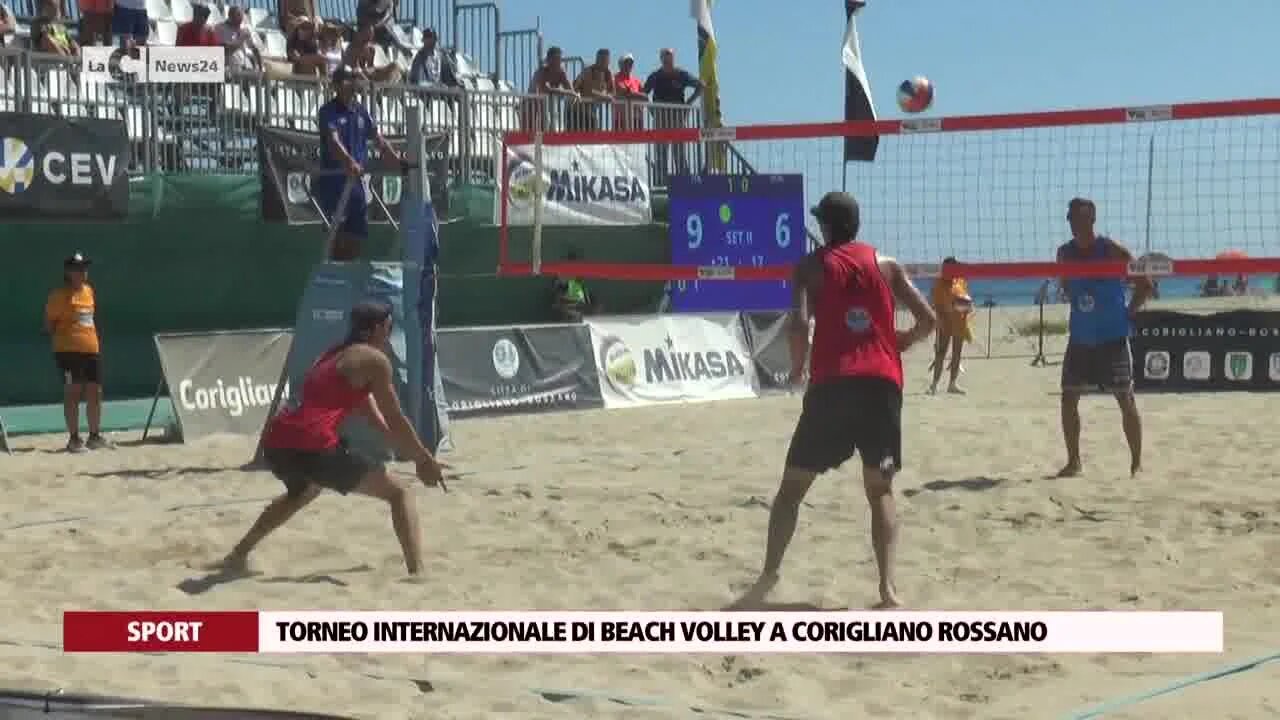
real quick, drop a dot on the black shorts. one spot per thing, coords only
(844, 416)
(1107, 366)
(79, 368)
(337, 469)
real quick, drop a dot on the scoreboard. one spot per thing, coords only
(736, 221)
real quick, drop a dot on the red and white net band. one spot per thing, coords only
(644, 632)
(1178, 184)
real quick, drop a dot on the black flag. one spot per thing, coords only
(857, 91)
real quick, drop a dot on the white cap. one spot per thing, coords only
(628, 56)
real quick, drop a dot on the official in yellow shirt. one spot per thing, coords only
(954, 307)
(70, 318)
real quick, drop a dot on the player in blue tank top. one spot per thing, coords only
(1098, 355)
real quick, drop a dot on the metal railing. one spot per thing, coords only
(211, 128)
(519, 54)
(475, 27)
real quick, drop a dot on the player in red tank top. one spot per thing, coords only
(853, 403)
(302, 446)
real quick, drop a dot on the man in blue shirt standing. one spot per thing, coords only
(345, 131)
(1098, 355)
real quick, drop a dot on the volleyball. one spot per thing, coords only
(915, 95)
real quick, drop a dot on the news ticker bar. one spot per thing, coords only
(642, 632)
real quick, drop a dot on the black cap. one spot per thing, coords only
(76, 260)
(839, 211)
(201, 11)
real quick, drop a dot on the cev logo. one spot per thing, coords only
(858, 319)
(17, 166)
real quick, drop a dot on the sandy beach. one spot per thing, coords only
(664, 508)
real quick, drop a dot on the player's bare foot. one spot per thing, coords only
(933, 390)
(234, 565)
(888, 599)
(955, 389)
(1135, 468)
(756, 594)
(1071, 469)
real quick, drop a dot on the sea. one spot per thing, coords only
(1025, 291)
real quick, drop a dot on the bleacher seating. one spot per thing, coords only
(213, 129)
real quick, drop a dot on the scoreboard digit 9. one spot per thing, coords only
(738, 221)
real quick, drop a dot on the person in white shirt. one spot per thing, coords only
(242, 49)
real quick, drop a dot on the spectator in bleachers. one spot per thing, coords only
(303, 49)
(331, 47)
(380, 14)
(595, 87)
(7, 23)
(667, 85)
(363, 58)
(95, 22)
(49, 34)
(130, 23)
(234, 35)
(198, 32)
(549, 79)
(291, 13)
(629, 92)
(431, 66)
(346, 128)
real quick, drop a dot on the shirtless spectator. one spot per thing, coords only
(361, 57)
(303, 49)
(595, 86)
(7, 23)
(549, 79)
(292, 12)
(627, 112)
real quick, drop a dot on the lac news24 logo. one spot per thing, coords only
(185, 65)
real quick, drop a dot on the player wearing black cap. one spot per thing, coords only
(853, 402)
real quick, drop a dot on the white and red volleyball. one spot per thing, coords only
(915, 95)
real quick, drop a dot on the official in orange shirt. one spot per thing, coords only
(70, 319)
(954, 307)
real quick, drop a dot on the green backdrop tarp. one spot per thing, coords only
(194, 255)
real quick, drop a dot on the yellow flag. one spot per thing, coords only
(701, 11)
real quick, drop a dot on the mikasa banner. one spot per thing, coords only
(580, 185)
(222, 382)
(672, 358)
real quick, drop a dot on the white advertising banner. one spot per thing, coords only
(580, 185)
(645, 360)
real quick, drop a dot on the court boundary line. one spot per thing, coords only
(1182, 684)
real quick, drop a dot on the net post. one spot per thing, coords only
(504, 198)
(535, 250)
(1040, 360)
(1151, 168)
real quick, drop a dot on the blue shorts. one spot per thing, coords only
(130, 22)
(328, 191)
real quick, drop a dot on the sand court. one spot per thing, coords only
(665, 509)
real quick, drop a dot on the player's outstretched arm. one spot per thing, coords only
(908, 294)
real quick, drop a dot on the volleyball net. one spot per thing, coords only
(1193, 189)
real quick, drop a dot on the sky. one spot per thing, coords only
(1213, 183)
(780, 61)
